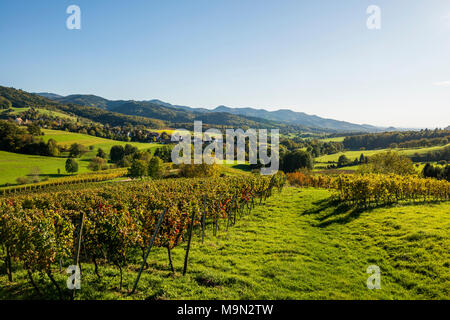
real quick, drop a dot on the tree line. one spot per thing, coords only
(403, 139)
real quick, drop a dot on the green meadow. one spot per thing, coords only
(13, 165)
(335, 139)
(17, 111)
(356, 154)
(299, 245)
(67, 138)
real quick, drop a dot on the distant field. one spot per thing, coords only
(336, 139)
(237, 167)
(67, 138)
(168, 131)
(13, 165)
(355, 154)
(43, 111)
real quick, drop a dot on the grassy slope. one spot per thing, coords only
(13, 165)
(298, 246)
(43, 111)
(67, 138)
(335, 139)
(355, 154)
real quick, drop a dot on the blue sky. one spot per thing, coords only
(312, 56)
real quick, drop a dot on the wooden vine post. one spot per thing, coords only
(161, 217)
(189, 242)
(77, 256)
(204, 218)
(217, 217)
(8, 265)
(230, 212)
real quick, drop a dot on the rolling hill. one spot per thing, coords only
(221, 115)
(121, 113)
(14, 165)
(157, 109)
(300, 118)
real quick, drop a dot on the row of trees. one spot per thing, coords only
(154, 168)
(344, 161)
(25, 140)
(405, 139)
(314, 146)
(437, 172)
(431, 156)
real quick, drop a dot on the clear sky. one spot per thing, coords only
(312, 56)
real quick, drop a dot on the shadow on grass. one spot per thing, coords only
(243, 167)
(332, 211)
(53, 175)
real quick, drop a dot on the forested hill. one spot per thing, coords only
(174, 115)
(14, 98)
(302, 118)
(122, 113)
(221, 115)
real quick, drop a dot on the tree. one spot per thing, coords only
(139, 168)
(164, 153)
(164, 136)
(71, 165)
(117, 153)
(101, 154)
(126, 161)
(362, 159)
(155, 167)
(130, 150)
(34, 129)
(11, 136)
(430, 171)
(297, 159)
(142, 155)
(5, 103)
(343, 161)
(97, 164)
(76, 150)
(390, 162)
(52, 148)
(446, 173)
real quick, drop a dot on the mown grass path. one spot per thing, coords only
(298, 246)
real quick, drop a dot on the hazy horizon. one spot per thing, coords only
(220, 105)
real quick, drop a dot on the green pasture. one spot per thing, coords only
(13, 165)
(356, 154)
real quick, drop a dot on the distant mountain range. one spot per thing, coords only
(165, 111)
(161, 113)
